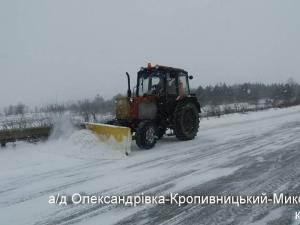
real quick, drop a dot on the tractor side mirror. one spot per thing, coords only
(191, 77)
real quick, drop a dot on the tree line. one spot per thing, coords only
(87, 108)
(212, 95)
(252, 93)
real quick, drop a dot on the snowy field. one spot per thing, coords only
(239, 154)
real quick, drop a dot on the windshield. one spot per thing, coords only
(149, 84)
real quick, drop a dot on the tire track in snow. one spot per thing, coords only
(254, 178)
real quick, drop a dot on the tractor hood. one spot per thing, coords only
(136, 108)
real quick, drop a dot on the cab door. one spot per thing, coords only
(183, 85)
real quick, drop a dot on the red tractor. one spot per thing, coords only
(160, 101)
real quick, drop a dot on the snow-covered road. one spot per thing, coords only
(247, 154)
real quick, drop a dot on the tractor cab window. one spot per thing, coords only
(171, 85)
(183, 88)
(155, 81)
(150, 84)
(143, 85)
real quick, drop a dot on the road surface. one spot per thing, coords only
(241, 154)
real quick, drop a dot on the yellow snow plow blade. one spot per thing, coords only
(116, 136)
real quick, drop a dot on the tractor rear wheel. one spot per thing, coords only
(146, 134)
(186, 121)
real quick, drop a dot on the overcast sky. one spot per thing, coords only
(72, 49)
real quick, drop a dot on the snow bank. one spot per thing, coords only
(85, 144)
(67, 140)
(79, 143)
(62, 127)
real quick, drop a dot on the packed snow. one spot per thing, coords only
(236, 154)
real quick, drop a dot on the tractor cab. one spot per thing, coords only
(162, 81)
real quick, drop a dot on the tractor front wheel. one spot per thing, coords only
(146, 135)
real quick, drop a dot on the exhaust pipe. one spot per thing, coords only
(129, 90)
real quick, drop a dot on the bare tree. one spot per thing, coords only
(20, 109)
